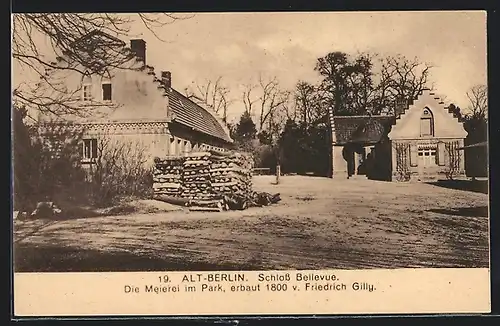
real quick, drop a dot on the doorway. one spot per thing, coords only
(426, 161)
(354, 155)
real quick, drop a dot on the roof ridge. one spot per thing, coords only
(210, 111)
(187, 98)
(362, 116)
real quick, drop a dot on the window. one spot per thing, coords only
(106, 89)
(171, 150)
(426, 123)
(427, 156)
(106, 92)
(87, 92)
(87, 87)
(89, 149)
(178, 148)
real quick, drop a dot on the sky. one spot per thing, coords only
(239, 46)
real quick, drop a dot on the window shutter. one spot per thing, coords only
(441, 153)
(93, 146)
(413, 155)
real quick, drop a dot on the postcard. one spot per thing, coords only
(266, 163)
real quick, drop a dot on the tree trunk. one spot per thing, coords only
(278, 173)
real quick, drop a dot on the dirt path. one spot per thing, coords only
(320, 223)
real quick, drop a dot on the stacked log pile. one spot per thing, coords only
(231, 173)
(211, 181)
(197, 184)
(231, 176)
(167, 176)
(196, 176)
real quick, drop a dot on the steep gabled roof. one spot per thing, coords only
(447, 120)
(185, 111)
(361, 129)
(372, 131)
(191, 115)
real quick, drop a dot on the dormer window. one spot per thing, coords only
(426, 123)
(106, 89)
(87, 87)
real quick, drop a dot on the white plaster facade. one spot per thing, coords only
(421, 144)
(137, 109)
(432, 135)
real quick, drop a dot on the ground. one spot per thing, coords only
(319, 224)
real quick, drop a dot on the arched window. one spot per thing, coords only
(87, 87)
(178, 147)
(106, 88)
(426, 123)
(171, 149)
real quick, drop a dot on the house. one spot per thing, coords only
(354, 140)
(133, 104)
(422, 142)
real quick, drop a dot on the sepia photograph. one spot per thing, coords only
(266, 141)
(249, 141)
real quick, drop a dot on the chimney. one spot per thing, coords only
(138, 46)
(166, 78)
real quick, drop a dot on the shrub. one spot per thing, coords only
(47, 166)
(120, 169)
(46, 162)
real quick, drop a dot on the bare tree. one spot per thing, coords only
(303, 97)
(272, 102)
(360, 76)
(478, 101)
(248, 98)
(400, 81)
(272, 115)
(310, 102)
(213, 94)
(290, 108)
(119, 169)
(272, 98)
(82, 42)
(347, 81)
